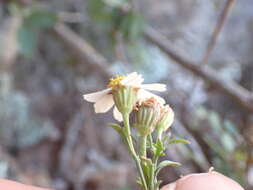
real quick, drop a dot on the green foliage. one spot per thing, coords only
(158, 149)
(34, 21)
(176, 141)
(132, 26)
(229, 154)
(147, 165)
(40, 19)
(117, 17)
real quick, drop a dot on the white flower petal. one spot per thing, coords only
(155, 86)
(143, 95)
(171, 113)
(133, 79)
(96, 96)
(136, 82)
(117, 115)
(129, 77)
(104, 104)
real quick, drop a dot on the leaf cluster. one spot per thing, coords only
(34, 21)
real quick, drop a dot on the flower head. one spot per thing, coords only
(166, 118)
(104, 100)
(146, 115)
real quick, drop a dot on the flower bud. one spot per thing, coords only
(125, 98)
(146, 116)
(166, 119)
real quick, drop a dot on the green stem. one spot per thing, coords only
(152, 177)
(153, 170)
(143, 146)
(159, 135)
(129, 142)
(155, 161)
(150, 138)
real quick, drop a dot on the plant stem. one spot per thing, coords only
(143, 146)
(159, 135)
(152, 177)
(150, 138)
(129, 142)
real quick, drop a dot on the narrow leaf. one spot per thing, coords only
(164, 164)
(116, 127)
(175, 141)
(159, 148)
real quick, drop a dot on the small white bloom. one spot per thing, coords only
(103, 100)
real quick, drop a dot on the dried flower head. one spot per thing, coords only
(146, 115)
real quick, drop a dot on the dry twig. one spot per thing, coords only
(83, 50)
(216, 33)
(242, 97)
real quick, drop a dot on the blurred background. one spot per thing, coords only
(54, 51)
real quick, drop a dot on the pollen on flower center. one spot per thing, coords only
(114, 82)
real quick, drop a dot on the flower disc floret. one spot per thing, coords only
(116, 81)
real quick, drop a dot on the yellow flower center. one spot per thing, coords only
(115, 82)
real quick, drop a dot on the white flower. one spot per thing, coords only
(103, 100)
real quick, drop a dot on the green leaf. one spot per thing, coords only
(158, 149)
(132, 26)
(40, 19)
(28, 32)
(116, 127)
(147, 166)
(175, 141)
(164, 164)
(98, 10)
(27, 40)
